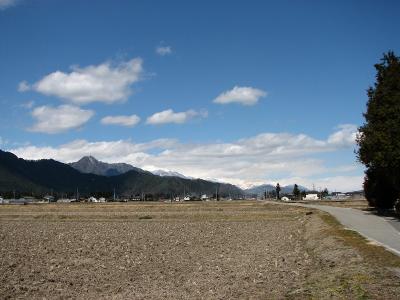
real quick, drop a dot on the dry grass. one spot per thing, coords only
(373, 254)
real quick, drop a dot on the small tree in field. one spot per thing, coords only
(379, 137)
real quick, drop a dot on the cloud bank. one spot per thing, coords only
(266, 157)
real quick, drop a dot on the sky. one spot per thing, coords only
(245, 92)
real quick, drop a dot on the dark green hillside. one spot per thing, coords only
(42, 176)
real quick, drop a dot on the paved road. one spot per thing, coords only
(382, 230)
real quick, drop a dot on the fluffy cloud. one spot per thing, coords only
(241, 95)
(166, 50)
(128, 121)
(7, 3)
(106, 82)
(110, 151)
(59, 119)
(169, 116)
(263, 158)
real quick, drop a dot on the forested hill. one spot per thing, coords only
(42, 176)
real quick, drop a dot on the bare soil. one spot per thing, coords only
(230, 250)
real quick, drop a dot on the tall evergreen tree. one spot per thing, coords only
(278, 189)
(379, 137)
(296, 191)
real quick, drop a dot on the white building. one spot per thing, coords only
(93, 199)
(311, 197)
(204, 197)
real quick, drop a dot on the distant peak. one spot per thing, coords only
(89, 158)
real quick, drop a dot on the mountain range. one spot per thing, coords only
(90, 175)
(43, 176)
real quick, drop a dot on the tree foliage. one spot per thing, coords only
(379, 137)
(296, 191)
(324, 193)
(277, 190)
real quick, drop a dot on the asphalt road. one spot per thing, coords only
(381, 230)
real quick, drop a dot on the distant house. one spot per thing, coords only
(356, 195)
(48, 198)
(204, 197)
(187, 198)
(102, 199)
(311, 197)
(93, 199)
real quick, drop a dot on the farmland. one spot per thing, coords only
(186, 250)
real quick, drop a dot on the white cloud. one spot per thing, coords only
(263, 158)
(59, 119)
(23, 86)
(242, 95)
(163, 50)
(169, 116)
(7, 3)
(110, 151)
(345, 136)
(106, 82)
(128, 121)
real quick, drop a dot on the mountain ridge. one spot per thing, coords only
(43, 176)
(89, 164)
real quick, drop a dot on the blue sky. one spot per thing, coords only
(239, 91)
